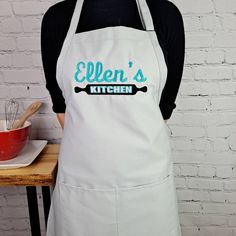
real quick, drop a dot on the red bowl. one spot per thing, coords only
(13, 141)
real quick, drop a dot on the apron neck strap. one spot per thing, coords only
(145, 15)
(143, 9)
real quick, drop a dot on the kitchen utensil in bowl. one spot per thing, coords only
(31, 109)
(13, 141)
(11, 109)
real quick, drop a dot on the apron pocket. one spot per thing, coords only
(87, 212)
(148, 210)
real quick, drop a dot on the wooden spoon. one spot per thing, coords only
(31, 109)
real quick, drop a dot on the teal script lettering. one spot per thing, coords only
(91, 72)
(95, 73)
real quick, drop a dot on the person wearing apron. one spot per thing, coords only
(115, 168)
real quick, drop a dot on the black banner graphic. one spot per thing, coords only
(114, 89)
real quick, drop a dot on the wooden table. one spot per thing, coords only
(41, 172)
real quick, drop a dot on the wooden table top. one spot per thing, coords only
(41, 172)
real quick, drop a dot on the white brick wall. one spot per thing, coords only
(203, 125)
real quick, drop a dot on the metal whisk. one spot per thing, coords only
(11, 109)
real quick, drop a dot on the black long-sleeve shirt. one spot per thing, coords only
(168, 25)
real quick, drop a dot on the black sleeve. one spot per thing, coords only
(174, 45)
(51, 43)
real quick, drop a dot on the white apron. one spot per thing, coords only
(115, 170)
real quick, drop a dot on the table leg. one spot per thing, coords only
(46, 202)
(33, 210)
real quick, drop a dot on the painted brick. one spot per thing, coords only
(206, 171)
(5, 8)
